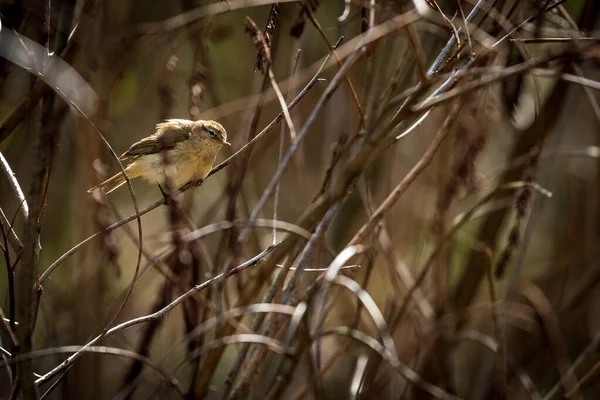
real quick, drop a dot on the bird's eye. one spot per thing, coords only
(211, 133)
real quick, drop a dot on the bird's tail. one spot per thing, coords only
(110, 184)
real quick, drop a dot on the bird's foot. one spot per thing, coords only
(166, 197)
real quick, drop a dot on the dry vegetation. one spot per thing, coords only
(409, 208)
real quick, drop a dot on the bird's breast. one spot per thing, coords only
(194, 166)
(185, 166)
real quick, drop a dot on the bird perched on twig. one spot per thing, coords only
(187, 148)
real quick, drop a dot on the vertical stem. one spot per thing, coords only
(27, 272)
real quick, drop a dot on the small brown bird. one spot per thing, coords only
(191, 147)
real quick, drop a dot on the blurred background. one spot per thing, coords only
(461, 177)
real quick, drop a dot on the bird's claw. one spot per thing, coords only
(166, 197)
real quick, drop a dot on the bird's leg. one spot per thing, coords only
(168, 199)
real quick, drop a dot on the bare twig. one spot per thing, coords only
(14, 240)
(423, 162)
(317, 26)
(400, 368)
(27, 274)
(102, 350)
(156, 315)
(14, 184)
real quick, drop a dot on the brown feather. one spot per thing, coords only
(164, 139)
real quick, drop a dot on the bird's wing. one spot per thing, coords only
(156, 143)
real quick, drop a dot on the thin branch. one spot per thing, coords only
(101, 350)
(26, 277)
(294, 147)
(14, 240)
(188, 17)
(590, 350)
(285, 297)
(158, 314)
(400, 368)
(353, 94)
(14, 184)
(423, 162)
(321, 296)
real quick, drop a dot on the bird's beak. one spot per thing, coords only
(225, 143)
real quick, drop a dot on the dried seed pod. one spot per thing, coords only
(261, 44)
(298, 25)
(269, 32)
(522, 204)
